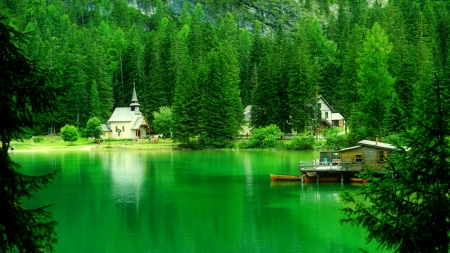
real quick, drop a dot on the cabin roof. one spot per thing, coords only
(379, 145)
(349, 148)
(371, 144)
(326, 102)
(337, 116)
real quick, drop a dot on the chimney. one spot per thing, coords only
(376, 140)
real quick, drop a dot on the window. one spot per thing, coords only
(123, 129)
(359, 159)
(326, 115)
(382, 155)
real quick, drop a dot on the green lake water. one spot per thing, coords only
(190, 201)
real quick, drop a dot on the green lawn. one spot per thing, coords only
(54, 142)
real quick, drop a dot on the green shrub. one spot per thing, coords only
(334, 139)
(302, 142)
(265, 137)
(69, 133)
(37, 139)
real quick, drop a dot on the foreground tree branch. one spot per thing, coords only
(25, 88)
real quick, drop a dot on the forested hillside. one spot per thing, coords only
(209, 59)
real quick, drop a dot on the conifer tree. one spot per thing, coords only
(94, 101)
(245, 43)
(221, 105)
(183, 107)
(26, 88)
(302, 84)
(375, 84)
(347, 85)
(408, 209)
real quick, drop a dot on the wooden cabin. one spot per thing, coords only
(370, 153)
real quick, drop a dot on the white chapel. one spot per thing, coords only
(127, 122)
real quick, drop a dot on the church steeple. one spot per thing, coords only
(134, 102)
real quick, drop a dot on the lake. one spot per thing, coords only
(190, 201)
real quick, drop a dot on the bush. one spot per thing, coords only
(69, 133)
(334, 140)
(37, 139)
(94, 128)
(265, 137)
(302, 142)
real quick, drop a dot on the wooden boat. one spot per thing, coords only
(358, 180)
(285, 177)
(312, 177)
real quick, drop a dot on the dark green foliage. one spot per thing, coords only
(185, 107)
(264, 137)
(222, 111)
(26, 88)
(411, 212)
(302, 85)
(394, 116)
(69, 133)
(95, 105)
(93, 128)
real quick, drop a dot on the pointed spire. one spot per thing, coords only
(134, 97)
(134, 101)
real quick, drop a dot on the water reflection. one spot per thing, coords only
(206, 201)
(127, 172)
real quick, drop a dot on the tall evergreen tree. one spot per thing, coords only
(302, 85)
(95, 105)
(411, 213)
(25, 88)
(375, 84)
(184, 108)
(325, 53)
(347, 91)
(245, 43)
(221, 105)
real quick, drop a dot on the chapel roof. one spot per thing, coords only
(122, 114)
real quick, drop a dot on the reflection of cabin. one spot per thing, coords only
(126, 122)
(327, 115)
(370, 153)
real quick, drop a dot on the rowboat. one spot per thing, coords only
(312, 177)
(285, 177)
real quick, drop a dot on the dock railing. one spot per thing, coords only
(321, 166)
(309, 165)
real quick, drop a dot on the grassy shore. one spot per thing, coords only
(56, 143)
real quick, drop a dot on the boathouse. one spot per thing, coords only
(345, 164)
(371, 153)
(127, 122)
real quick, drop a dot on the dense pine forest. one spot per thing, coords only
(207, 60)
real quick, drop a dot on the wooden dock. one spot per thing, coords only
(335, 171)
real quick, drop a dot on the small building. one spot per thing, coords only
(327, 115)
(127, 122)
(370, 153)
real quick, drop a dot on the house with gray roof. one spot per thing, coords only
(328, 117)
(370, 153)
(127, 122)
